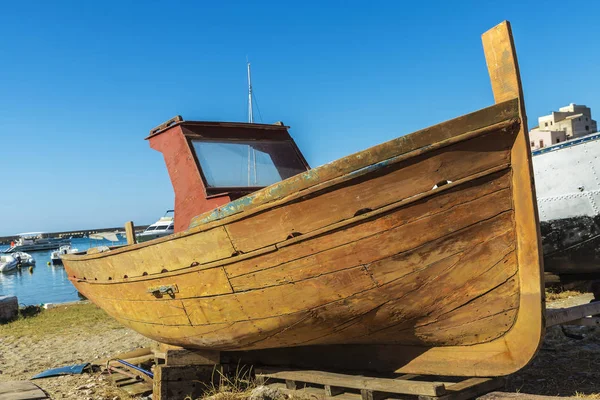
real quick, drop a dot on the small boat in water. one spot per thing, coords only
(420, 255)
(163, 227)
(36, 241)
(7, 263)
(56, 255)
(23, 259)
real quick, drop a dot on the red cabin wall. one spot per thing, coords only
(190, 193)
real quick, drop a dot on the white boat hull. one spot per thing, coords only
(567, 180)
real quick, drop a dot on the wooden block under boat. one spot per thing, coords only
(420, 255)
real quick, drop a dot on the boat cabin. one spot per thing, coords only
(213, 163)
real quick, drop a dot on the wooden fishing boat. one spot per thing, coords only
(419, 255)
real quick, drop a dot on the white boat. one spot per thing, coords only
(23, 259)
(163, 227)
(567, 183)
(35, 241)
(56, 255)
(7, 263)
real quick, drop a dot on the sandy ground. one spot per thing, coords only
(23, 357)
(568, 363)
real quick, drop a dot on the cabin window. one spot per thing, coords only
(234, 164)
(161, 227)
(170, 227)
(541, 143)
(150, 228)
(532, 144)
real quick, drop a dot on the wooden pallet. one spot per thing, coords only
(352, 387)
(584, 315)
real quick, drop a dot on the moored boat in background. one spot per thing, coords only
(163, 227)
(420, 255)
(23, 259)
(36, 241)
(7, 263)
(56, 255)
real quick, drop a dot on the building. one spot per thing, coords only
(568, 122)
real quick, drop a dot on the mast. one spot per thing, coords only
(250, 116)
(251, 151)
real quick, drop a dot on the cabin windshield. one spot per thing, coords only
(234, 164)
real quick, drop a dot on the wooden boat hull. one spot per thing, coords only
(421, 254)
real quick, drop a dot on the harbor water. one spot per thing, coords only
(45, 283)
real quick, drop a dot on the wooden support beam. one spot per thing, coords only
(177, 382)
(593, 321)
(192, 357)
(290, 384)
(562, 315)
(333, 390)
(130, 232)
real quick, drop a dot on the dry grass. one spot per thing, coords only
(84, 318)
(553, 294)
(236, 385)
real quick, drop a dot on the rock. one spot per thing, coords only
(9, 308)
(266, 393)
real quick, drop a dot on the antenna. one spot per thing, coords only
(250, 116)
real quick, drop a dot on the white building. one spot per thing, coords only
(567, 123)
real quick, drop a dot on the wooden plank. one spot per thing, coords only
(563, 315)
(469, 389)
(21, 390)
(130, 232)
(143, 351)
(592, 321)
(356, 382)
(402, 181)
(145, 259)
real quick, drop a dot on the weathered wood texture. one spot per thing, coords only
(357, 382)
(21, 390)
(574, 315)
(425, 387)
(423, 250)
(180, 382)
(130, 232)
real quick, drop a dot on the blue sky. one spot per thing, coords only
(82, 82)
